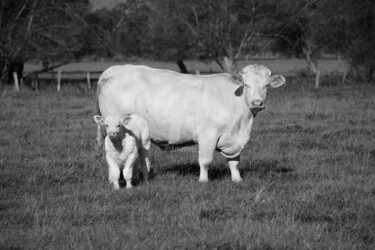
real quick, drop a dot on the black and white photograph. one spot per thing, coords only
(187, 124)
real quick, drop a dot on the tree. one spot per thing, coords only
(44, 30)
(214, 29)
(299, 27)
(312, 27)
(360, 49)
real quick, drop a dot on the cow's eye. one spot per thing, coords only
(106, 125)
(118, 126)
(267, 85)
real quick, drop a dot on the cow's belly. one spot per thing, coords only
(171, 118)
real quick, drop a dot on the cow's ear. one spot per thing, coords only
(98, 119)
(236, 78)
(125, 120)
(277, 81)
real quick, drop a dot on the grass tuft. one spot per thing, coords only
(308, 175)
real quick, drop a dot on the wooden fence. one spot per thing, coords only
(59, 76)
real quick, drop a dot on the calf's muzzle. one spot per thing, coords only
(112, 135)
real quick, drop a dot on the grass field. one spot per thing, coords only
(309, 179)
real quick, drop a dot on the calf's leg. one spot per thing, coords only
(128, 169)
(113, 172)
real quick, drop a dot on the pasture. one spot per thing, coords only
(308, 170)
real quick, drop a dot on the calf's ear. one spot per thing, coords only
(98, 119)
(125, 120)
(277, 81)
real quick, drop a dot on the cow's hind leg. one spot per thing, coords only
(233, 166)
(145, 149)
(144, 163)
(206, 153)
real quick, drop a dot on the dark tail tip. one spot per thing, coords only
(98, 109)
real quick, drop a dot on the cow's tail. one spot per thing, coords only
(100, 134)
(97, 108)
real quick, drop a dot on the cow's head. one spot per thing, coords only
(114, 125)
(255, 79)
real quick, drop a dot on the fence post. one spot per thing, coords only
(343, 79)
(16, 84)
(317, 79)
(59, 80)
(88, 81)
(34, 81)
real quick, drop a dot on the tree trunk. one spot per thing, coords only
(15, 66)
(317, 79)
(230, 65)
(313, 65)
(3, 75)
(182, 66)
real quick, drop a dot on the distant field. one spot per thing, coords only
(309, 179)
(287, 66)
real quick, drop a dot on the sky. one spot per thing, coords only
(98, 4)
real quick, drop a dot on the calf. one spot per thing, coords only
(127, 144)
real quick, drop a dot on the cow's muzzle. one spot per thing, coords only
(256, 106)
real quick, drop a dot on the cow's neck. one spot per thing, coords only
(244, 118)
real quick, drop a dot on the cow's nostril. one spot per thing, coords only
(257, 103)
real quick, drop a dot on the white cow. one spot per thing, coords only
(215, 111)
(127, 145)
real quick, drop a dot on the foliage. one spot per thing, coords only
(62, 31)
(44, 30)
(360, 49)
(312, 28)
(212, 29)
(119, 32)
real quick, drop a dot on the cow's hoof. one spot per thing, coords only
(116, 187)
(203, 180)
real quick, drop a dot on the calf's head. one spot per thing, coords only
(255, 80)
(114, 125)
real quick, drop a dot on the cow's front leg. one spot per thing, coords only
(207, 148)
(233, 166)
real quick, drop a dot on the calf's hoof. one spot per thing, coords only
(237, 179)
(203, 180)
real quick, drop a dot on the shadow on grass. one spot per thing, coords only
(261, 168)
(137, 178)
